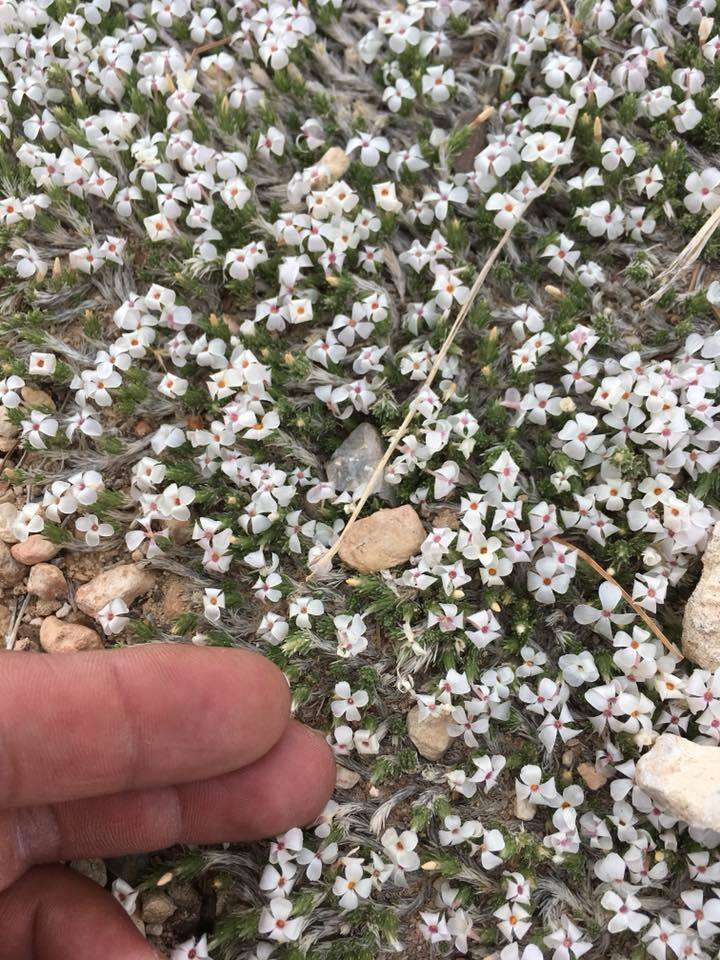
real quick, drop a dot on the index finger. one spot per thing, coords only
(88, 724)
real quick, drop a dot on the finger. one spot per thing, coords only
(54, 914)
(107, 721)
(287, 787)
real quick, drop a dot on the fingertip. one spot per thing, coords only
(293, 782)
(52, 913)
(322, 771)
(270, 692)
(240, 698)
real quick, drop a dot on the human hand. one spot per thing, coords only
(115, 752)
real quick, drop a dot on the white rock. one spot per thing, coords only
(701, 623)
(683, 778)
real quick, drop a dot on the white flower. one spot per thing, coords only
(578, 438)
(561, 254)
(434, 928)
(303, 608)
(614, 152)
(93, 529)
(385, 197)
(567, 941)
(11, 386)
(438, 82)
(348, 704)
(509, 210)
(353, 886)
(649, 181)
(213, 604)
(688, 116)
(601, 620)
(39, 425)
(703, 190)
(602, 219)
(578, 669)
(192, 950)
(401, 848)
(113, 616)
(370, 148)
(275, 921)
(627, 912)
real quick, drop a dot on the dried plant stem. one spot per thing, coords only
(204, 47)
(482, 116)
(648, 621)
(442, 353)
(687, 256)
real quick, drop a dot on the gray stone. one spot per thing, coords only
(352, 464)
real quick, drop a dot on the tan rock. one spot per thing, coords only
(56, 636)
(524, 810)
(446, 517)
(5, 621)
(180, 531)
(127, 581)
(93, 869)
(701, 623)
(8, 431)
(47, 582)
(329, 168)
(430, 735)
(594, 779)
(35, 398)
(345, 779)
(683, 778)
(382, 540)
(176, 597)
(12, 572)
(157, 907)
(36, 549)
(43, 608)
(26, 645)
(8, 516)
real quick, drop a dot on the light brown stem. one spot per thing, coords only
(647, 620)
(204, 47)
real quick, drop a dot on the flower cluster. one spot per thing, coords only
(232, 234)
